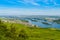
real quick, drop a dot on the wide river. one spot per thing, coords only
(51, 25)
(41, 23)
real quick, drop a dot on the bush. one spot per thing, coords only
(23, 35)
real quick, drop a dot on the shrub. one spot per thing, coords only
(23, 35)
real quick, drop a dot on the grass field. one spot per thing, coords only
(15, 31)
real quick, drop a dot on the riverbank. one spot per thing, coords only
(19, 22)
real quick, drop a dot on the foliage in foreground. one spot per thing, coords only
(13, 31)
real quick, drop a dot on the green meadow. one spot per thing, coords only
(15, 31)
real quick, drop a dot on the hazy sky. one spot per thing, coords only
(29, 7)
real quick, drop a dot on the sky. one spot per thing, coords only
(30, 7)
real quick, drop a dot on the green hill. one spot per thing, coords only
(15, 31)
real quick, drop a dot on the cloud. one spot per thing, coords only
(56, 4)
(20, 1)
(37, 3)
(15, 11)
(9, 1)
(33, 2)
